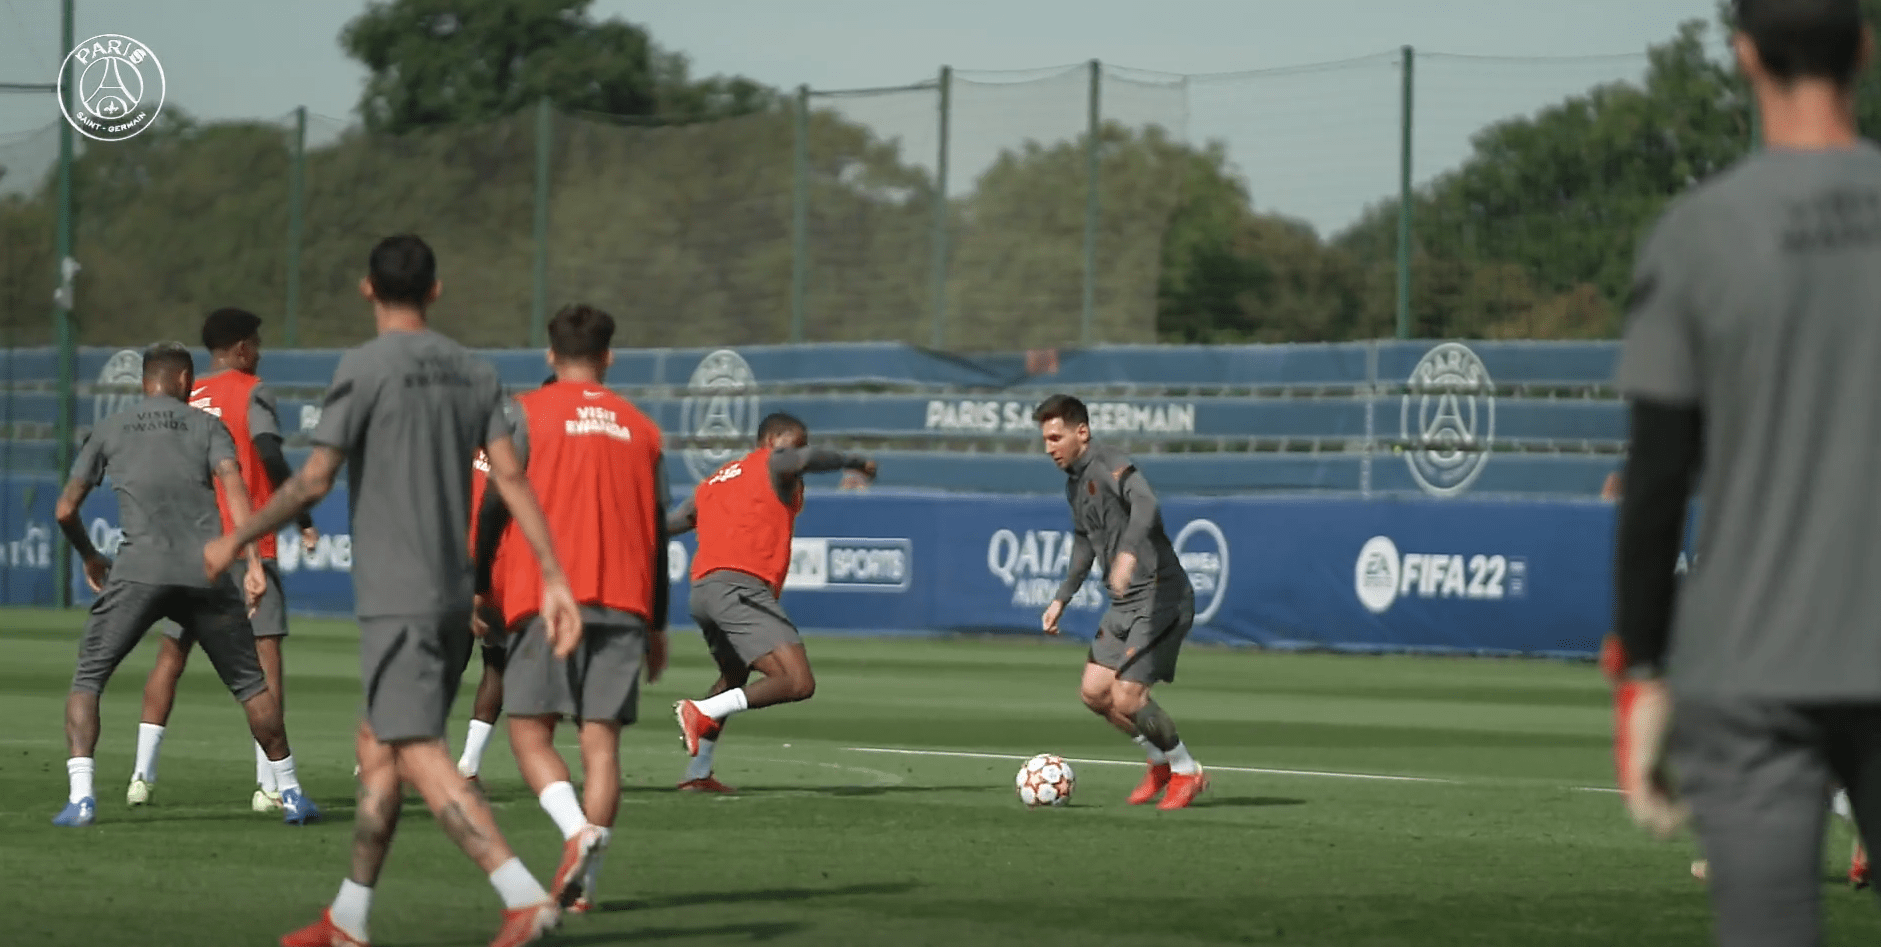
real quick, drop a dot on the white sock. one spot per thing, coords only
(724, 705)
(264, 771)
(284, 778)
(1841, 805)
(1156, 756)
(472, 761)
(699, 767)
(560, 802)
(1181, 762)
(79, 768)
(351, 907)
(594, 863)
(149, 741)
(517, 886)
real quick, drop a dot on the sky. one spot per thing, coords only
(1317, 143)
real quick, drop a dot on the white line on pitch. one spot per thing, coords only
(1212, 769)
(1596, 789)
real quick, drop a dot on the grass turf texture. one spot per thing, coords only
(831, 845)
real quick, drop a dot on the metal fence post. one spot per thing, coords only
(1092, 160)
(62, 312)
(539, 305)
(1404, 199)
(939, 239)
(799, 213)
(296, 209)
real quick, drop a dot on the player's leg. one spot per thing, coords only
(1152, 645)
(750, 619)
(159, 700)
(1756, 778)
(712, 604)
(118, 619)
(412, 669)
(539, 689)
(1855, 754)
(488, 703)
(375, 822)
(218, 620)
(270, 626)
(699, 767)
(606, 675)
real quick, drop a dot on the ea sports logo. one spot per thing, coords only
(721, 402)
(118, 87)
(1449, 415)
(1375, 577)
(1207, 566)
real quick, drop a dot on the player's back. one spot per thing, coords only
(157, 455)
(228, 395)
(593, 459)
(410, 409)
(1783, 289)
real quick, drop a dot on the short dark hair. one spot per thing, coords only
(228, 327)
(580, 331)
(779, 423)
(1804, 39)
(167, 358)
(402, 270)
(1064, 408)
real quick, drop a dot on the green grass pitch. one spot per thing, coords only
(833, 842)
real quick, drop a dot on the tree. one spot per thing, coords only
(442, 62)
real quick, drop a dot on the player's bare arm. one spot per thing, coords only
(66, 512)
(559, 611)
(683, 518)
(788, 465)
(235, 493)
(300, 493)
(274, 464)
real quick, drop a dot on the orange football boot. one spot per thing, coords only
(1183, 789)
(709, 783)
(527, 925)
(322, 933)
(694, 725)
(1858, 867)
(1153, 782)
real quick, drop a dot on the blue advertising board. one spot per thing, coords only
(1413, 574)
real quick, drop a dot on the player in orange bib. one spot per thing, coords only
(596, 462)
(232, 392)
(745, 515)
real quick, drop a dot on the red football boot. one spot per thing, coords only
(577, 854)
(708, 784)
(1183, 789)
(1858, 867)
(527, 925)
(1153, 783)
(322, 933)
(694, 725)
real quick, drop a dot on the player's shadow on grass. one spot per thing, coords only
(761, 896)
(1250, 801)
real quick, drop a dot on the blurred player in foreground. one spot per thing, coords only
(596, 462)
(1753, 332)
(164, 459)
(408, 410)
(745, 514)
(232, 392)
(1114, 514)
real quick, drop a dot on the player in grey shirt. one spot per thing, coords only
(1751, 353)
(1115, 516)
(164, 458)
(405, 414)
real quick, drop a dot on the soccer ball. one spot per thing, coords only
(1045, 780)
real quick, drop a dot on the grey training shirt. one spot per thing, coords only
(161, 456)
(1758, 300)
(410, 410)
(1113, 510)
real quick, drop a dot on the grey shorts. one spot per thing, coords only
(215, 616)
(270, 617)
(1759, 776)
(741, 620)
(600, 681)
(410, 667)
(1141, 642)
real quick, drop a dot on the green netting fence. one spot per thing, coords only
(972, 211)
